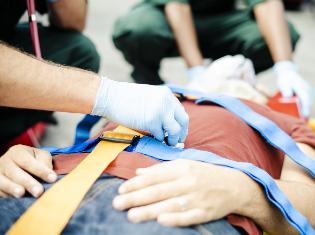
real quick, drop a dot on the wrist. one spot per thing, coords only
(284, 67)
(101, 98)
(248, 194)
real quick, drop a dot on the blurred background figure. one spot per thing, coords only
(61, 41)
(200, 29)
(99, 28)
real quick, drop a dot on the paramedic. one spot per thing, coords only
(61, 42)
(198, 29)
(181, 193)
(26, 82)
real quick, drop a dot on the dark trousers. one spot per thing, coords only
(144, 37)
(62, 47)
(96, 216)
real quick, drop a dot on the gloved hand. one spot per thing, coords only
(228, 67)
(196, 72)
(290, 82)
(142, 107)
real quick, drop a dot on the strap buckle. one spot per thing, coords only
(118, 137)
(182, 97)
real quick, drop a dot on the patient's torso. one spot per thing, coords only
(212, 128)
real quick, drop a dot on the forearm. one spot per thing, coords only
(68, 14)
(267, 216)
(180, 18)
(270, 17)
(26, 82)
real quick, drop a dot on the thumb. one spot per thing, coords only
(286, 92)
(305, 98)
(285, 87)
(173, 129)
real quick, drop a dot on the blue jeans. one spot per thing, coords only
(96, 215)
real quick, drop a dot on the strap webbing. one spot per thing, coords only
(273, 134)
(153, 148)
(84, 128)
(52, 211)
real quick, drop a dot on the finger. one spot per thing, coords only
(182, 118)
(305, 106)
(3, 195)
(174, 168)
(149, 195)
(286, 90)
(158, 133)
(305, 101)
(185, 218)
(43, 157)
(164, 169)
(17, 175)
(171, 126)
(8, 187)
(29, 163)
(143, 181)
(151, 212)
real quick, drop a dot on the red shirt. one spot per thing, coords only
(212, 128)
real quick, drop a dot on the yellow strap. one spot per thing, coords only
(52, 211)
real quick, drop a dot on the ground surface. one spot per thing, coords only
(102, 14)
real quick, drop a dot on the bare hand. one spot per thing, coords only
(18, 165)
(182, 193)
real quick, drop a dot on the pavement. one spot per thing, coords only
(102, 15)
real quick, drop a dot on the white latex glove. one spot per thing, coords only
(142, 107)
(195, 72)
(290, 82)
(228, 67)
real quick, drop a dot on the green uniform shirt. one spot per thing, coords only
(11, 12)
(207, 6)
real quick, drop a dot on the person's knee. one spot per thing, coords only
(84, 53)
(132, 37)
(143, 28)
(260, 55)
(255, 47)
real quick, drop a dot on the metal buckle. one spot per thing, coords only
(118, 137)
(179, 96)
(182, 97)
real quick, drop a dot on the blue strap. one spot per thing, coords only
(85, 147)
(153, 148)
(84, 128)
(270, 131)
(274, 135)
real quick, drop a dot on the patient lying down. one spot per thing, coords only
(181, 196)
